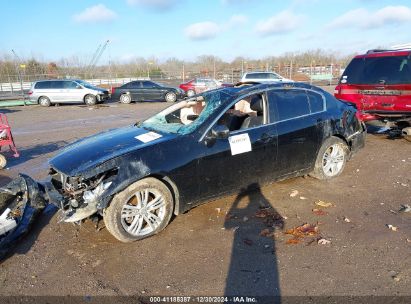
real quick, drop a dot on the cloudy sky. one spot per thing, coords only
(188, 28)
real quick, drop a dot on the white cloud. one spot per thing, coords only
(159, 5)
(362, 18)
(229, 2)
(202, 30)
(283, 22)
(236, 20)
(96, 13)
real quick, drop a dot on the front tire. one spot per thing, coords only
(139, 211)
(90, 100)
(331, 159)
(190, 93)
(44, 101)
(170, 97)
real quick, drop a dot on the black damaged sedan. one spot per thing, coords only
(145, 90)
(215, 143)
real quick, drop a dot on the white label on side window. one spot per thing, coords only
(239, 144)
(147, 137)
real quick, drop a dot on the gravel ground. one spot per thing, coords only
(217, 249)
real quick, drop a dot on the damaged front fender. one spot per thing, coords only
(21, 201)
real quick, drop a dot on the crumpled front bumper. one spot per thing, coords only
(26, 199)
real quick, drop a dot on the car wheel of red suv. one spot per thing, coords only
(190, 93)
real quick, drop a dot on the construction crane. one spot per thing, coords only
(97, 54)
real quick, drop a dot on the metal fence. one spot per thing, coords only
(17, 85)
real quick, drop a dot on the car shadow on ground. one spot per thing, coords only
(8, 111)
(32, 152)
(253, 267)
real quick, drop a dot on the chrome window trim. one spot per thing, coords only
(265, 97)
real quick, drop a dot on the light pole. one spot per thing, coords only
(242, 67)
(148, 69)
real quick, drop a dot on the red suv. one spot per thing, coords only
(379, 84)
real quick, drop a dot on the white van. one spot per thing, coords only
(46, 92)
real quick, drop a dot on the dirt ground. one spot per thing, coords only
(217, 248)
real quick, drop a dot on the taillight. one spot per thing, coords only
(337, 90)
(30, 92)
(113, 89)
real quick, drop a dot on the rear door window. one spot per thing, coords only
(43, 85)
(316, 102)
(378, 70)
(288, 104)
(57, 84)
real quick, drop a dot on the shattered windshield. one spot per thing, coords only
(187, 115)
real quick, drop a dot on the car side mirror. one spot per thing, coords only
(220, 132)
(79, 87)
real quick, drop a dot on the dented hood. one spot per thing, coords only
(97, 149)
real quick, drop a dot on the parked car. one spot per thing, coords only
(263, 77)
(145, 90)
(47, 92)
(201, 148)
(379, 84)
(199, 85)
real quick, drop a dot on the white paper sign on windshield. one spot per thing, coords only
(147, 137)
(239, 144)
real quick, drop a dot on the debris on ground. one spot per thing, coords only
(405, 209)
(293, 241)
(294, 193)
(229, 216)
(271, 218)
(319, 212)
(324, 204)
(21, 202)
(245, 218)
(393, 228)
(394, 275)
(323, 242)
(347, 220)
(303, 198)
(301, 232)
(248, 242)
(266, 232)
(218, 210)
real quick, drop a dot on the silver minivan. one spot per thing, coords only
(46, 92)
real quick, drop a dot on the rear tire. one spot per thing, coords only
(44, 101)
(331, 159)
(125, 98)
(139, 211)
(3, 161)
(190, 93)
(90, 100)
